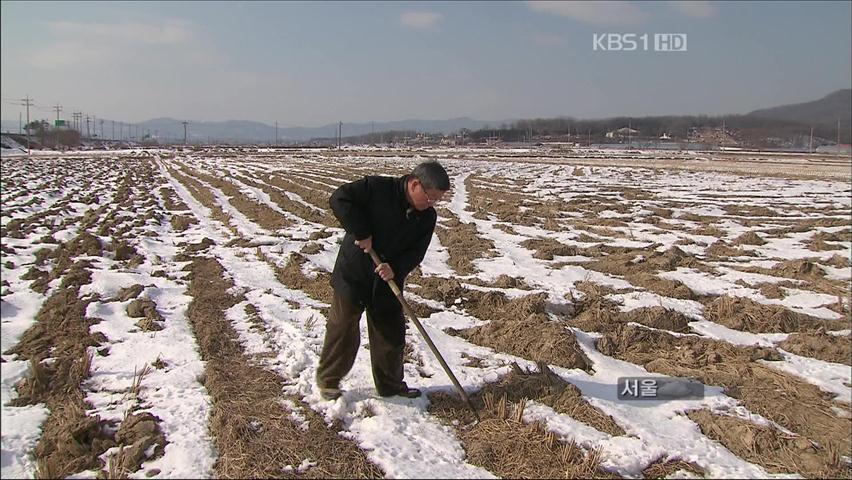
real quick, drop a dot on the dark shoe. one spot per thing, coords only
(406, 392)
(330, 393)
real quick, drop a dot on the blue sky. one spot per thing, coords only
(309, 64)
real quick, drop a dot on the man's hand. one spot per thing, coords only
(385, 271)
(365, 244)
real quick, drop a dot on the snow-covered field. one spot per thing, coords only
(81, 230)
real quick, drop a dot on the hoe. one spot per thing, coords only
(411, 315)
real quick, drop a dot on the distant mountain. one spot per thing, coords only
(422, 126)
(245, 131)
(9, 126)
(825, 111)
(821, 114)
(170, 129)
(248, 131)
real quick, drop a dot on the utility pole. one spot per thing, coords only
(88, 133)
(838, 132)
(811, 143)
(102, 128)
(184, 132)
(340, 131)
(28, 102)
(58, 109)
(276, 132)
(113, 130)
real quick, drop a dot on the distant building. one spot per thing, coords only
(842, 149)
(622, 132)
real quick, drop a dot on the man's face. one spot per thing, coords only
(421, 197)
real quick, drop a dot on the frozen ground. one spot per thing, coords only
(286, 329)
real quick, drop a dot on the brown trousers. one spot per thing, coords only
(386, 331)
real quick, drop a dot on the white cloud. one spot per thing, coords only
(548, 40)
(695, 8)
(419, 19)
(69, 53)
(595, 13)
(90, 44)
(170, 32)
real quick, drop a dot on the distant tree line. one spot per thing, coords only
(49, 137)
(748, 129)
(390, 136)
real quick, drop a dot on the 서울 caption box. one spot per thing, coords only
(659, 388)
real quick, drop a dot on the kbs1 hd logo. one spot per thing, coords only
(633, 42)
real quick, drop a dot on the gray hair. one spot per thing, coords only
(432, 175)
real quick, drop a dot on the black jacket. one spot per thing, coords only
(376, 206)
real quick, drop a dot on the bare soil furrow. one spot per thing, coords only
(320, 201)
(505, 445)
(72, 439)
(792, 403)
(463, 242)
(205, 197)
(770, 448)
(258, 213)
(285, 203)
(741, 313)
(518, 326)
(254, 434)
